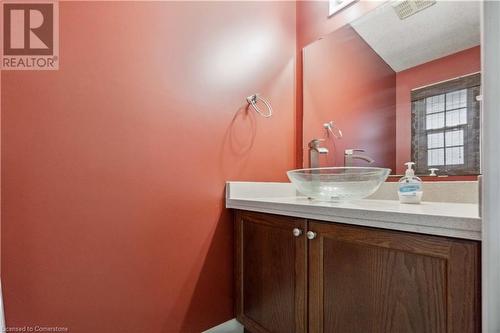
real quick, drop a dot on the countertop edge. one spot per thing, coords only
(455, 227)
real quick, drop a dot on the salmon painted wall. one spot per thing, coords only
(113, 167)
(452, 66)
(313, 23)
(356, 89)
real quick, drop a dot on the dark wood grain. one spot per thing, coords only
(352, 279)
(270, 273)
(381, 281)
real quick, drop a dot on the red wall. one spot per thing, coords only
(356, 89)
(113, 167)
(452, 66)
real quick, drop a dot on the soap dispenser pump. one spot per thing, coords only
(410, 186)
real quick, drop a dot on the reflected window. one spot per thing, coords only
(445, 126)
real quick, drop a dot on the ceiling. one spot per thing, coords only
(437, 31)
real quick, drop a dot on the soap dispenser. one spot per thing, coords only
(410, 186)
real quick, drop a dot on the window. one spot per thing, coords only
(445, 127)
(336, 5)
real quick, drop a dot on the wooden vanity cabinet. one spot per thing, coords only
(382, 281)
(270, 273)
(352, 279)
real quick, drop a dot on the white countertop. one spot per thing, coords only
(459, 220)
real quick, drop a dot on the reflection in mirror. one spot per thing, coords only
(402, 84)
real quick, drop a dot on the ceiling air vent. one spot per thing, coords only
(406, 8)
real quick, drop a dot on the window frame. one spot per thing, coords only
(471, 139)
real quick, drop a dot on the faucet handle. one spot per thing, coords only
(329, 126)
(314, 143)
(352, 151)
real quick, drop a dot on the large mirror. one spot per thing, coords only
(401, 83)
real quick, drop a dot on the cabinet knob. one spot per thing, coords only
(311, 235)
(297, 232)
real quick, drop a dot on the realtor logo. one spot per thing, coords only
(30, 33)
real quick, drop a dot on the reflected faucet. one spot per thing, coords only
(350, 155)
(315, 151)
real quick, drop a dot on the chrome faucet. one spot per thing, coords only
(350, 155)
(315, 151)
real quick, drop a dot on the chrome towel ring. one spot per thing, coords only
(252, 101)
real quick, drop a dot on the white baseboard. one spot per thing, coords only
(2, 315)
(230, 326)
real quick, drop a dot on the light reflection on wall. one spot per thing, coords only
(238, 55)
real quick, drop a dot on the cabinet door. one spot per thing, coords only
(379, 281)
(270, 273)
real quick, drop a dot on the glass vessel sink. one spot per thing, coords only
(338, 184)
